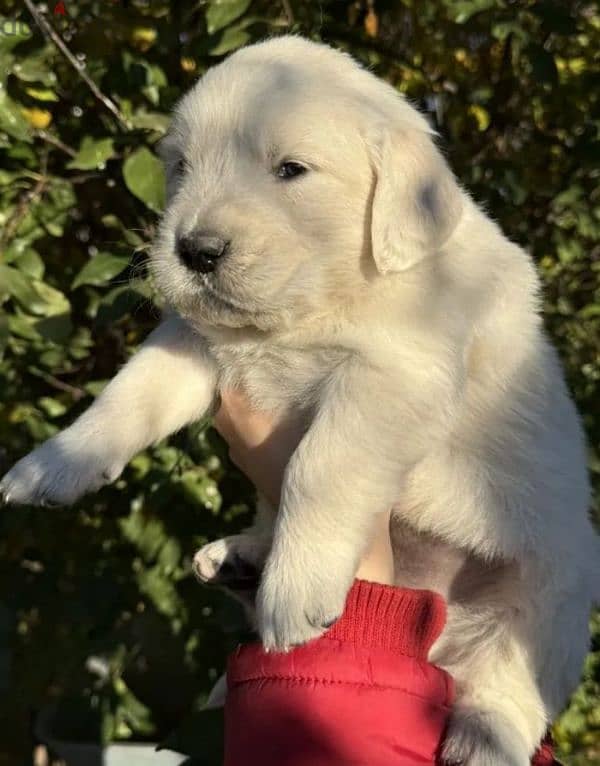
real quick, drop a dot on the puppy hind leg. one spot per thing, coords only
(236, 562)
(478, 738)
(499, 717)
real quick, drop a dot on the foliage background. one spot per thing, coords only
(99, 611)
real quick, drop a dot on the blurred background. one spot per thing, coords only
(101, 622)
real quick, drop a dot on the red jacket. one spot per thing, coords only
(363, 694)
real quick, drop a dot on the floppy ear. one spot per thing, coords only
(416, 203)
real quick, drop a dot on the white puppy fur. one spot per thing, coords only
(371, 293)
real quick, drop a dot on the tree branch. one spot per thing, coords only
(50, 139)
(54, 37)
(14, 221)
(76, 392)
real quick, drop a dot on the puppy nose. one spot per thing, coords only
(200, 252)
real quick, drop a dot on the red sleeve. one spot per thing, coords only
(363, 693)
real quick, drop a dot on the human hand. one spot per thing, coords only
(261, 446)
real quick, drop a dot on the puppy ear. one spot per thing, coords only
(416, 204)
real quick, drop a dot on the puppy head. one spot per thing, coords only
(294, 179)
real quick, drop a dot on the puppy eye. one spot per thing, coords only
(176, 169)
(290, 169)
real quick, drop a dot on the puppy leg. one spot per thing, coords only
(483, 738)
(237, 562)
(170, 382)
(234, 562)
(516, 653)
(238, 559)
(348, 467)
(499, 717)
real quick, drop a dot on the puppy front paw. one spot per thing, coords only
(483, 738)
(58, 472)
(297, 602)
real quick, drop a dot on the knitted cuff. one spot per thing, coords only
(387, 617)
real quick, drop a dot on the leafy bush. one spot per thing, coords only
(99, 605)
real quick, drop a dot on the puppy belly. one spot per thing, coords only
(423, 561)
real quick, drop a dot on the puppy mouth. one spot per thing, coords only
(216, 296)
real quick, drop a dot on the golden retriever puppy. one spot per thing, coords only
(318, 252)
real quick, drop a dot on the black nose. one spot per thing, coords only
(200, 252)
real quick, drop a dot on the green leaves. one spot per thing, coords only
(12, 33)
(220, 13)
(16, 285)
(231, 39)
(149, 78)
(11, 118)
(34, 68)
(92, 154)
(100, 269)
(33, 295)
(145, 178)
(462, 10)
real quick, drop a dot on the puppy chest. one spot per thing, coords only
(276, 377)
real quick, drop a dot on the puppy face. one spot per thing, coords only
(272, 172)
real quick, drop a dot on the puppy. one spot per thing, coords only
(317, 252)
